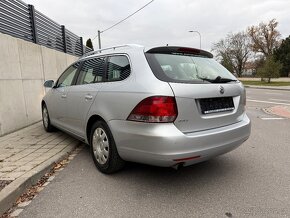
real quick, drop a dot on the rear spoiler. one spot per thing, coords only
(179, 50)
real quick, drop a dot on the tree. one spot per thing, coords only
(258, 62)
(227, 63)
(233, 52)
(270, 69)
(282, 54)
(264, 37)
(90, 44)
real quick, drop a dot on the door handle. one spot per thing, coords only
(63, 95)
(88, 97)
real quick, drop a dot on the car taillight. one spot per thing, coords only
(155, 109)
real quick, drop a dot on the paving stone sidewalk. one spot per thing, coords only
(25, 152)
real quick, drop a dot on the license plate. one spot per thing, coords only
(216, 105)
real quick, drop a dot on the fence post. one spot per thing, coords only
(64, 38)
(33, 23)
(82, 46)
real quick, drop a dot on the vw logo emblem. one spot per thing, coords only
(222, 90)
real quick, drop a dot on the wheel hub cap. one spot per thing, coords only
(100, 146)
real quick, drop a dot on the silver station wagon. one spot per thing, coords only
(166, 106)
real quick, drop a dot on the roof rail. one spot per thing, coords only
(111, 48)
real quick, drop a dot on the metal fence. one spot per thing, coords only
(23, 21)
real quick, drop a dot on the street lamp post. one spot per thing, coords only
(195, 31)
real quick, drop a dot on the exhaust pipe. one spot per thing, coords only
(178, 166)
(181, 164)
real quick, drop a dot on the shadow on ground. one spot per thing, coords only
(203, 174)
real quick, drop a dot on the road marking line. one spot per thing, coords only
(273, 93)
(269, 102)
(272, 118)
(275, 99)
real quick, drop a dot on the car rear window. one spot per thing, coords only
(186, 67)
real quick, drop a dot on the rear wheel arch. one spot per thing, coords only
(42, 103)
(90, 123)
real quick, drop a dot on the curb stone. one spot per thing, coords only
(11, 192)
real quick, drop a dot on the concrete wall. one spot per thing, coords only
(24, 66)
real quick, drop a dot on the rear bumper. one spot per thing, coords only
(164, 145)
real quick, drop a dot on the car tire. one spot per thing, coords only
(46, 120)
(103, 149)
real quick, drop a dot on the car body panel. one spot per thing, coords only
(79, 101)
(56, 101)
(190, 118)
(118, 99)
(161, 144)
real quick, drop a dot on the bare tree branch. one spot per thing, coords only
(233, 52)
(264, 37)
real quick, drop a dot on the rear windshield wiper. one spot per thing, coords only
(218, 79)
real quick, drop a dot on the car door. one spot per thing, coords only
(81, 96)
(58, 96)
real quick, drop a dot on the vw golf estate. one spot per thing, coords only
(166, 106)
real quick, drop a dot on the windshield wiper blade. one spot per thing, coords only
(218, 79)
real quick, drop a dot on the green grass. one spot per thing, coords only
(263, 83)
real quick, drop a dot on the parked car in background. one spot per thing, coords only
(166, 106)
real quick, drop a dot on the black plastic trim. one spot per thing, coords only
(180, 50)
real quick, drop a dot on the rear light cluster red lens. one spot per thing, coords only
(156, 109)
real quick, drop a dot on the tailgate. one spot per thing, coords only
(208, 106)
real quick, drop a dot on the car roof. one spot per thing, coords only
(127, 48)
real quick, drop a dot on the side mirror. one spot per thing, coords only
(48, 83)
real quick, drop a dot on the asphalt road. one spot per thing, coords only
(251, 181)
(266, 97)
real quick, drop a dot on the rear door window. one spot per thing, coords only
(118, 68)
(92, 71)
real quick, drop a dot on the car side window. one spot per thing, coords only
(67, 77)
(92, 71)
(118, 68)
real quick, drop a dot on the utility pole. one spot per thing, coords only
(99, 32)
(99, 38)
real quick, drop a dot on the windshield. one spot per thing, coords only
(189, 68)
